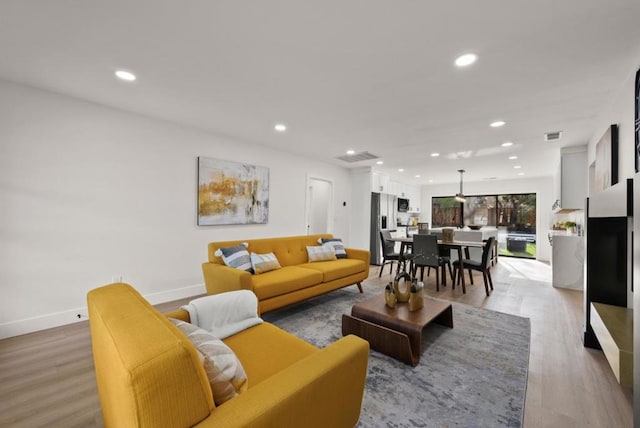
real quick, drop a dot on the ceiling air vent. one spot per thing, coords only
(357, 157)
(552, 136)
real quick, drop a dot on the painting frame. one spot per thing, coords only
(637, 121)
(231, 193)
(606, 170)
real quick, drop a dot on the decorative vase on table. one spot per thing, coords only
(402, 295)
(447, 235)
(416, 299)
(390, 296)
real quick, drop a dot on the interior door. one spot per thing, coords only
(319, 205)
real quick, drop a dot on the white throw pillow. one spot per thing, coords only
(224, 370)
(321, 253)
(264, 262)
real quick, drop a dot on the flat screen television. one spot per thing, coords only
(403, 205)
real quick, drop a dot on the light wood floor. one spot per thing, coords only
(46, 378)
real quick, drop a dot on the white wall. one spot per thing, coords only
(361, 207)
(542, 187)
(88, 192)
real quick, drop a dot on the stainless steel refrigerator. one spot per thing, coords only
(384, 213)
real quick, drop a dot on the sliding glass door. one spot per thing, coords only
(517, 225)
(513, 215)
(480, 210)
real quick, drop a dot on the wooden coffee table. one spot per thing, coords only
(395, 332)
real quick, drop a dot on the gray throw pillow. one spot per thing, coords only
(336, 244)
(236, 257)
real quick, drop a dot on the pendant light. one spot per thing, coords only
(460, 196)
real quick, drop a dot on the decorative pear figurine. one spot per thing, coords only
(416, 300)
(390, 296)
(403, 296)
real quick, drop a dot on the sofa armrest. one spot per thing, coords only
(178, 314)
(323, 390)
(357, 253)
(220, 278)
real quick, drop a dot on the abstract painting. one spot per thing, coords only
(232, 192)
(607, 159)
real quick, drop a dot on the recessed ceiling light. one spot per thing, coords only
(507, 144)
(280, 127)
(517, 167)
(125, 75)
(379, 163)
(435, 155)
(497, 124)
(466, 59)
(430, 181)
(417, 175)
(400, 169)
(521, 173)
(513, 157)
(351, 152)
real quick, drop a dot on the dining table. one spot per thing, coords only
(452, 245)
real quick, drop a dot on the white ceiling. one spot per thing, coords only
(365, 75)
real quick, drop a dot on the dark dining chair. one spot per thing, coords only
(389, 255)
(483, 265)
(426, 253)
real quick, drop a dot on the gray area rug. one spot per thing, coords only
(474, 375)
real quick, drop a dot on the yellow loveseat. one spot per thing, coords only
(149, 374)
(295, 281)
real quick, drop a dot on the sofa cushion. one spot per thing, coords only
(264, 262)
(284, 280)
(236, 257)
(336, 269)
(320, 253)
(336, 244)
(225, 372)
(267, 350)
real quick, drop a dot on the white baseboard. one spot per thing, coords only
(175, 294)
(70, 316)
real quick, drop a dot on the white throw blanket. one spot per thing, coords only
(225, 314)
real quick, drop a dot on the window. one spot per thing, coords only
(514, 215)
(480, 210)
(445, 212)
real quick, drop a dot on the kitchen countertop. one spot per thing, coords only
(567, 261)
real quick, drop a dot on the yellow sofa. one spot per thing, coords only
(149, 374)
(297, 280)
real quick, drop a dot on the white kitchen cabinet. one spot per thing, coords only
(413, 193)
(401, 190)
(573, 177)
(395, 188)
(380, 183)
(407, 191)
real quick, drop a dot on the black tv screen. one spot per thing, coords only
(403, 205)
